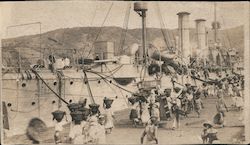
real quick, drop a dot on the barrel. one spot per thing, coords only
(58, 115)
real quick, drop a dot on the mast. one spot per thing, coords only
(215, 22)
(141, 9)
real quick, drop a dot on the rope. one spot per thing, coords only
(125, 26)
(227, 35)
(113, 89)
(100, 30)
(89, 90)
(168, 43)
(89, 30)
(39, 77)
(112, 83)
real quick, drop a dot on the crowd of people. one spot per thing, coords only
(181, 100)
(150, 106)
(88, 125)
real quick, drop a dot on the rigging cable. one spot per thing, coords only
(227, 35)
(89, 30)
(100, 30)
(125, 27)
(165, 36)
(89, 90)
(119, 89)
(112, 83)
(39, 77)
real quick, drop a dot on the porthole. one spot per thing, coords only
(23, 85)
(71, 82)
(53, 102)
(55, 83)
(33, 103)
(9, 104)
(99, 82)
(110, 81)
(70, 101)
(116, 97)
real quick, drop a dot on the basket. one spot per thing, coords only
(74, 107)
(177, 89)
(77, 116)
(85, 112)
(108, 102)
(132, 100)
(58, 115)
(94, 108)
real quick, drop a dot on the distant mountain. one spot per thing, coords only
(64, 41)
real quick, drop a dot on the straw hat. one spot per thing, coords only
(207, 123)
(36, 129)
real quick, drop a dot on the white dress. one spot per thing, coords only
(76, 133)
(145, 116)
(96, 133)
(109, 118)
(239, 102)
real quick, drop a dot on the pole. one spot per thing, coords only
(182, 54)
(143, 15)
(40, 35)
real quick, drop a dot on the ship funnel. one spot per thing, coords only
(183, 32)
(201, 38)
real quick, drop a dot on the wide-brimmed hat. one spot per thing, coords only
(207, 123)
(94, 106)
(177, 89)
(36, 129)
(107, 101)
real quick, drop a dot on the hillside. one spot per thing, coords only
(63, 41)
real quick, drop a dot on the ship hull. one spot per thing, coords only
(26, 96)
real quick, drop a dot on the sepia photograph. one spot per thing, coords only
(124, 72)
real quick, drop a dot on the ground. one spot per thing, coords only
(190, 130)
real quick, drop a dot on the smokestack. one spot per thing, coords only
(183, 30)
(201, 38)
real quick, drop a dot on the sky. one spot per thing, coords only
(68, 14)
